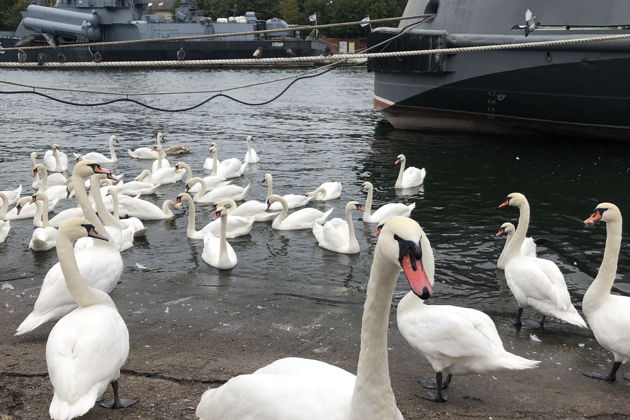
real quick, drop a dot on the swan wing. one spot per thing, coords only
(391, 210)
(528, 248)
(287, 389)
(97, 157)
(413, 176)
(333, 234)
(448, 331)
(611, 325)
(84, 353)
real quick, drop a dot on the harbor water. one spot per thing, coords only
(284, 285)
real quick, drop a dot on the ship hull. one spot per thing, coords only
(578, 98)
(167, 51)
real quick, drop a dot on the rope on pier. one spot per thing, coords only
(314, 59)
(222, 35)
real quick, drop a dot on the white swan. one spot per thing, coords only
(55, 193)
(608, 315)
(100, 265)
(147, 152)
(86, 348)
(233, 192)
(250, 208)
(528, 248)
(5, 225)
(142, 209)
(161, 176)
(53, 179)
(300, 219)
(161, 162)
(303, 389)
(228, 168)
(293, 200)
(337, 234)
(44, 237)
(217, 252)
(186, 200)
(250, 155)
(326, 191)
(535, 282)
(235, 226)
(55, 160)
(212, 181)
(26, 209)
(384, 212)
(456, 341)
(135, 188)
(208, 163)
(100, 158)
(12, 196)
(410, 177)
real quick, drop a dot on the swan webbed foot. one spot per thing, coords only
(117, 402)
(610, 377)
(435, 397)
(518, 324)
(432, 383)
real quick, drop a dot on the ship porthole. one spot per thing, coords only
(181, 54)
(548, 57)
(61, 58)
(97, 57)
(432, 7)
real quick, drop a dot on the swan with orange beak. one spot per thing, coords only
(456, 341)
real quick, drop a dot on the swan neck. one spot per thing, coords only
(43, 209)
(188, 171)
(44, 184)
(513, 248)
(269, 187)
(95, 191)
(5, 206)
(84, 202)
(166, 208)
(285, 209)
(351, 236)
(192, 224)
(112, 151)
(160, 157)
(373, 397)
(215, 163)
(400, 173)
(608, 269)
(202, 191)
(368, 202)
(81, 293)
(223, 238)
(57, 160)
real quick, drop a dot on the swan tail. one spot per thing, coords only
(322, 219)
(63, 410)
(411, 207)
(511, 361)
(18, 190)
(140, 232)
(572, 317)
(34, 320)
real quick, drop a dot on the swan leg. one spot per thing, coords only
(542, 322)
(118, 402)
(610, 377)
(518, 322)
(432, 383)
(439, 386)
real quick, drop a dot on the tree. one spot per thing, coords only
(10, 16)
(289, 11)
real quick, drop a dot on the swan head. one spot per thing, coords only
(514, 199)
(87, 168)
(366, 186)
(114, 139)
(221, 212)
(507, 228)
(33, 155)
(273, 198)
(316, 192)
(400, 158)
(78, 157)
(79, 228)
(249, 138)
(267, 178)
(192, 182)
(229, 204)
(178, 203)
(606, 212)
(403, 243)
(21, 203)
(354, 205)
(55, 146)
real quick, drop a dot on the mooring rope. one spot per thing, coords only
(222, 35)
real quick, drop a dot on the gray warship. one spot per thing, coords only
(576, 90)
(92, 21)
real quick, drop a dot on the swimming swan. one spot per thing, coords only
(410, 177)
(337, 235)
(385, 211)
(300, 219)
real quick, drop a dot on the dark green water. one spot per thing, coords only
(324, 129)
